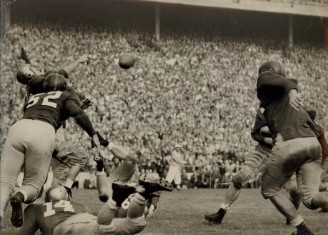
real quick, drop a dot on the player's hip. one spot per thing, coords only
(29, 132)
(299, 148)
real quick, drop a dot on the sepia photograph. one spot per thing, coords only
(164, 117)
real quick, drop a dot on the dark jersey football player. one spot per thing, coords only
(74, 155)
(296, 147)
(31, 141)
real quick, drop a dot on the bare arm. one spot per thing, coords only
(69, 68)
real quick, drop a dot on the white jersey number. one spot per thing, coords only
(62, 205)
(45, 99)
(126, 203)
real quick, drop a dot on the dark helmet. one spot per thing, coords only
(272, 66)
(54, 82)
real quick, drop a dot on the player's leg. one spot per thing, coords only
(12, 160)
(249, 170)
(37, 161)
(308, 179)
(293, 193)
(71, 157)
(136, 212)
(271, 185)
(123, 173)
(133, 223)
(120, 193)
(77, 158)
(177, 179)
(67, 165)
(272, 182)
(60, 172)
(173, 170)
(309, 176)
(287, 156)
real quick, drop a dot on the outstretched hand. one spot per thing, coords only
(84, 59)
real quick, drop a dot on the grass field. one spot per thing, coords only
(181, 212)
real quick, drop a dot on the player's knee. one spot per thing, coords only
(240, 179)
(139, 224)
(267, 193)
(237, 184)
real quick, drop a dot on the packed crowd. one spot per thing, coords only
(196, 92)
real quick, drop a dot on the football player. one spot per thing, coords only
(58, 215)
(296, 148)
(123, 173)
(31, 141)
(67, 157)
(255, 163)
(128, 206)
(26, 71)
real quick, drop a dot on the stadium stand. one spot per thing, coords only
(195, 87)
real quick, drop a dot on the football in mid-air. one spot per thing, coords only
(127, 60)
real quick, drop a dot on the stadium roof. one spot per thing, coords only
(309, 8)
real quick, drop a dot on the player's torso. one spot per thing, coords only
(48, 107)
(284, 119)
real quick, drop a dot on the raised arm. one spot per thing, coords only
(69, 68)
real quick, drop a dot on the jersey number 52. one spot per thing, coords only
(44, 98)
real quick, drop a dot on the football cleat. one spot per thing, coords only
(303, 230)
(17, 210)
(217, 217)
(153, 183)
(121, 192)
